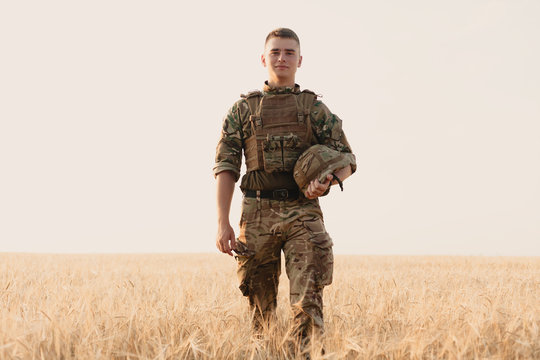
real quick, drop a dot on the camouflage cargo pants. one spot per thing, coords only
(266, 228)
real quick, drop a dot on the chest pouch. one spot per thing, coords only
(281, 131)
(280, 152)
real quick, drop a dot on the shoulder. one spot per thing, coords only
(239, 107)
(251, 94)
(319, 109)
(239, 112)
(322, 117)
(307, 91)
(309, 95)
(247, 102)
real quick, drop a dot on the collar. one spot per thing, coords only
(267, 89)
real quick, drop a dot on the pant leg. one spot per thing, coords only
(309, 265)
(259, 260)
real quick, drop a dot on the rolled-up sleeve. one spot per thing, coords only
(229, 148)
(327, 127)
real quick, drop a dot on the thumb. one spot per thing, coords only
(329, 178)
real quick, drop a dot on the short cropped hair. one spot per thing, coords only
(282, 33)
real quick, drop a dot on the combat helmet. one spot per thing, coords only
(317, 162)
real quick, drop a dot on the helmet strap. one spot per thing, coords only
(334, 177)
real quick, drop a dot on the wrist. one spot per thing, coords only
(223, 223)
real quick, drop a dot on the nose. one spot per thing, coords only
(280, 57)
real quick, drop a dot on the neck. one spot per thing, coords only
(277, 83)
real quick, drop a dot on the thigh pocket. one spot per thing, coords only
(245, 251)
(245, 260)
(322, 251)
(250, 212)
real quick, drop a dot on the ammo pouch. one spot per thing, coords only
(280, 152)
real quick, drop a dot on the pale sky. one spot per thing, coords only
(110, 112)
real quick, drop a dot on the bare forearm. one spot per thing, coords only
(342, 174)
(225, 189)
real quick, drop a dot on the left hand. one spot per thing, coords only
(316, 189)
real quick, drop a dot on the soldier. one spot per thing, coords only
(273, 128)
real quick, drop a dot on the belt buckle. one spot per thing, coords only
(280, 194)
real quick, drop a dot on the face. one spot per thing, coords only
(282, 58)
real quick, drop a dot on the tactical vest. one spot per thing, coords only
(281, 130)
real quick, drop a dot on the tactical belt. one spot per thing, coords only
(278, 194)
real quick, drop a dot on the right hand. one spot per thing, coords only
(225, 239)
(316, 188)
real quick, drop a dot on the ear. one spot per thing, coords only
(300, 61)
(263, 60)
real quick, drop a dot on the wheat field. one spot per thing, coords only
(181, 306)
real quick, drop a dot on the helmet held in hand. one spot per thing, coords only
(317, 162)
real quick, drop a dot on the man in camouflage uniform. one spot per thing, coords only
(277, 216)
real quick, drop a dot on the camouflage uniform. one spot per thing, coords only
(268, 226)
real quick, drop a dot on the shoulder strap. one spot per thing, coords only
(254, 99)
(251, 94)
(308, 92)
(305, 101)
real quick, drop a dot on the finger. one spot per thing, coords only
(218, 245)
(233, 241)
(317, 184)
(317, 188)
(320, 186)
(226, 248)
(309, 191)
(222, 244)
(329, 178)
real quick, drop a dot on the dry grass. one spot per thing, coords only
(189, 307)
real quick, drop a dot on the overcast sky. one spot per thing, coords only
(110, 113)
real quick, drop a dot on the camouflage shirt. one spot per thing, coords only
(236, 129)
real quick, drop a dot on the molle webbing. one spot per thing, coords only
(278, 116)
(253, 148)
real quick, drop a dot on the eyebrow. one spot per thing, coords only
(276, 49)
